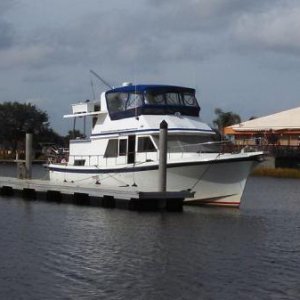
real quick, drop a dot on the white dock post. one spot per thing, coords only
(28, 159)
(162, 169)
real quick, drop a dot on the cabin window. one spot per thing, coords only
(123, 147)
(116, 101)
(191, 143)
(145, 144)
(79, 162)
(134, 100)
(112, 148)
(189, 100)
(173, 98)
(155, 99)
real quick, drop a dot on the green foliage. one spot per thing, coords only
(225, 119)
(279, 172)
(18, 118)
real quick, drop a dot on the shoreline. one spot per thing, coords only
(277, 172)
(13, 161)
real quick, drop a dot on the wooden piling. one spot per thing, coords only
(163, 143)
(28, 160)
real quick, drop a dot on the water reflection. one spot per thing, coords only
(57, 251)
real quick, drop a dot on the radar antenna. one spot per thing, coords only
(101, 79)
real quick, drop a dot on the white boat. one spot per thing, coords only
(122, 149)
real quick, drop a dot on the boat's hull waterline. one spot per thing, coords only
(215, 182)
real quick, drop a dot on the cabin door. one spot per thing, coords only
(131, 149)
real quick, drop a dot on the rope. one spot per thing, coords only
(205, 171)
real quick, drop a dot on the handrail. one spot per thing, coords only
(204, 143)
(143, 157)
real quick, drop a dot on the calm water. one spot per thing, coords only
(57, 251)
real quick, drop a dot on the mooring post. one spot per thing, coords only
(28, 159)
(163, 144)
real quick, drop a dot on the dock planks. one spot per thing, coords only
(120, 197)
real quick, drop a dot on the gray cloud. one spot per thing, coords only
(274, 30)
(162, 31)
(203, 14)
(198, 42)
(121, 38)
(6, 35)
(6, 29)
(6, 5)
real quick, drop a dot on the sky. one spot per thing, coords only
(241, 56)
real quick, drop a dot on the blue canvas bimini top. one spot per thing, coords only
(150, 87)
(134, 100)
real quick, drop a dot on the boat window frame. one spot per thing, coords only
(114, 144)
(122, 140)
(125, 102)
(193, 143)
(152, 141)
(79, 162)
(144, 103)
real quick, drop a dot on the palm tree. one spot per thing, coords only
(225, 119)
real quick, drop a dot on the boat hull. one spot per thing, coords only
(218, 182)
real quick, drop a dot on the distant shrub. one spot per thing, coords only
(278, 172)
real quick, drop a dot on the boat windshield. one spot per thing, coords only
(119, 102)
(190, 143)
(171, 98)
(157, 100)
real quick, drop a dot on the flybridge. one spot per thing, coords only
(134, 100)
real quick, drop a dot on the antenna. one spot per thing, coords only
(101, 79)
(93, 90)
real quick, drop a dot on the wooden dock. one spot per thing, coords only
(121, 197)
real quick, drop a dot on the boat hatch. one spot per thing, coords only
(129, 101)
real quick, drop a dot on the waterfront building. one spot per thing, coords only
(280, 129)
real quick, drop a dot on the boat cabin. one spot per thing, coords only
(116, 140)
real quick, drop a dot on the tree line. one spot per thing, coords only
(16, 119)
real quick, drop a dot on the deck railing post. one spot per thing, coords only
(163, 144)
